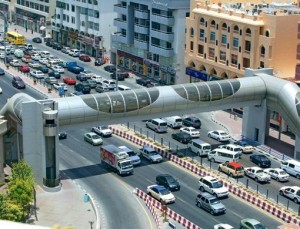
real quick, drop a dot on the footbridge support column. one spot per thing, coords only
(297, 148)
(3, 129)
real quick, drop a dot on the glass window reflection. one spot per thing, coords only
(117, 102)
(192, 91)
(204, 92)
(104, 103)
(180, 91)
(216, 93)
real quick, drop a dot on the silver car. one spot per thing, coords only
(210, 203)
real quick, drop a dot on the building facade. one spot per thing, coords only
(297, 75)
(31, 14)
(150, 38)
(85, 25)
(224, 39)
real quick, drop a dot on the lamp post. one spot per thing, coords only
(4, 35)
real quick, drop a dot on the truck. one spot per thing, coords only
(150, 154)
(117, 159)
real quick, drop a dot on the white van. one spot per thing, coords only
(222, 155)
(2, 49)
(199, 147)
(29, 46)
(19, 53)
(123, 88)
(292, 167)
(158, 125)
(173, 121)
(45, 54)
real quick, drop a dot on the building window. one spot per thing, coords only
(262, 51)
(47, 9)
(234, 59)
(73, 20)
(212, 36)
(155, 56)
(201, 34)
(246, 63)
(200, 50)
(213, 24)
(211, 53)
(202, 21)
(247, 46)
(236, 29)
(192, 32)
(267, 33)
(248, 32)
(224, 26)
(224, 39)
(73, 8)
(235, 42)
(222, 56)
(192, 46)
(262, 64)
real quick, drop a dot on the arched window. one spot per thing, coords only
(224, 75)
(235, 29)
(267, 33)
(202, 21)
(192, 64)
(262, 51)
(192, 32)
(213, 72)
(224, 26)
(213, 23)
(203, 68)
(248, 32)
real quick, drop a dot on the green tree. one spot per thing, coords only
(10, 211)
(22, 171)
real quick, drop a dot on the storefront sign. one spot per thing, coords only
(73, 35)
(196, 74)
(130, 56)
(167, 69)
(86, 40)
(151, 63)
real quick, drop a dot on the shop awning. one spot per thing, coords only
(42, 28)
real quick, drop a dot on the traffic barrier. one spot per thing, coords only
(249, 197)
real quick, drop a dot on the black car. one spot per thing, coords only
(99, 62)
(168, 181)
(54, 74)
(17, 82)
(37, 40)
(49, 43)
(110, 68)
(43, 69)
(85, 88)
(192, 121)
(2, 72)
(182, 137)
(120, 76)
(57, 46)
(8, 59)
(143, 82)
(62, 135)
(261, 160)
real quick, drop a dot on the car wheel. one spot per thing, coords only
(218, 139)
(212, 212)
(219, 168)
(277, 179)
(212, 160)
(256, 179)
(209, 135)
(215, 195)
(298, 176)
(201, 189)
(296, 200)
(281, 192)
(149, 193)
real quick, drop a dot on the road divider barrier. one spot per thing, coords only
(151, 202)
(255, 199)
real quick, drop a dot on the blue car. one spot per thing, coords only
(261, 160)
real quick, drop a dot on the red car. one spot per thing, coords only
(24, 68)
(69, 81)
(85, 58)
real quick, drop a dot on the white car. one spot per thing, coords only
(15, 63)
(58, 85)
(97, 78)
(277, 174)
(36, 57)
(213, 185)
(37, 74)
(161, 193)
(103, 131)
(0, 90)
(194, 133)
(43, 60)
(219, 135)
(257, 174)
(134, 158)
(58, 68)
(93, 138)
(2, 55)
(292, 192)
(245, 146)
(223, 226)
(34, 64)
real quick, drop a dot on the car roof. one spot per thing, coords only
(159, 187)
(210, 178)
(164, 175)
(207, 195)
(252, 221)
(235, 164)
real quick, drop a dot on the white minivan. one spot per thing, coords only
(292, 167)
(158, 125)
(45, 54)
(199, 147)
(222, 155)
(173, 121)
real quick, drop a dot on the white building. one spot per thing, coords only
(84, 24)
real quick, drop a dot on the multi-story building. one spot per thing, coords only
(84, 24)
(223, 39)
(150, 38)
(297, 75)
(31, 14)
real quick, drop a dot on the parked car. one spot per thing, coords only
(251, 224)
(85, 58)
(58, 68)
(49, 43)
(291, 192)
(210, 203)
(168, 182)
(111, 84)
(37, 74)
(37, 40)
(233, 148)
(57, 46)
(233, 169)
(92, 83)
(99, 61)
(65, 49)
(260, 160)
(277, 174)
(93, 138)
(110, 68)
(182, 137)
(50, 80)
(17, 82)
(219, 135)
(34, 64)
(83, 87)
(8, 59)
(246, 147)
(62, 135)
(191, 131)
(36, 56)
(192, 121)
(1, 90)
(43, 69)
(2, 72)
(15, 63)
(81, 77)
(69, 81)
(119, 75)
(24, 68)
(54, 74)
(26, 58)
(161, 193)
(143, 82)
(59, 85)
(43, 60)
(223, 226)
(213, 185)
(101, 89)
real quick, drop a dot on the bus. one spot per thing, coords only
(15, 38)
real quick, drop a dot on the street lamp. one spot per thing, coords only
(4, 35)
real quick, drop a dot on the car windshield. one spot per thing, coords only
(206, 147)
(163, 124)
(152, 152)
(239, 169)
(131, 153)
(223, 134)
(164, 191)
(259, 226)
(171, 179)
(263, 159)
(259, 171)
(126, 164)
(217, 184)
(282, 173)
(214, 201)
(104, 127)
(95, 137)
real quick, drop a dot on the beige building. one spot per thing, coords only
(225, 38)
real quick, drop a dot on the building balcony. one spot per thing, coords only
(162, 51)
(142, 14)
(162, 35)
(118, 8)
(120, 24)
(119, 38)
(163, 20)
(141, 44)
(141, 29)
